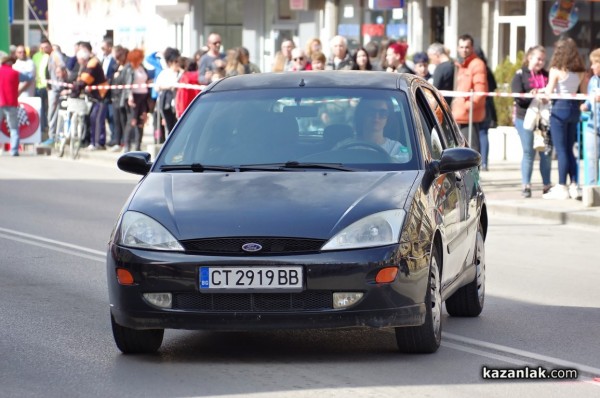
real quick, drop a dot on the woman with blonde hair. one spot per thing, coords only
(312, 46)
(566, 76)
(238, 63)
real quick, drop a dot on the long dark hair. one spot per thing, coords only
(354, 56)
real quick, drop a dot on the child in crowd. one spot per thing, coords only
(318, 60)
(592, 133)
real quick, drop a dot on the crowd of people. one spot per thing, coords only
(50, 74)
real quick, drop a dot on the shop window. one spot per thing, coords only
(583, 26)
(284, 11)
(512, 8)
(215, 13)
(17, 34)
(18, 9)
(224, 20)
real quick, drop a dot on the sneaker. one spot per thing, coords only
(526, 193)
(48, 142)
(546, 188)
(91, 147)
(116, 148)
(557, 192)
(574, 192)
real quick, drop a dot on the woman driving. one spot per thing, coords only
(370, 119)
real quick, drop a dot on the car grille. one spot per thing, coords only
(269, 245)
(254, 302)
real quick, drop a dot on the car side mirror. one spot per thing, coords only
(453, 159)
(135, 162)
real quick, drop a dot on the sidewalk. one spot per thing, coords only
(502, 187)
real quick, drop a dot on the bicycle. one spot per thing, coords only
(71, 124)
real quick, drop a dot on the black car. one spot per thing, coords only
(302, 200)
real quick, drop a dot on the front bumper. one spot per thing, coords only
(399, 303)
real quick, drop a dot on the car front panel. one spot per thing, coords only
(399, 303)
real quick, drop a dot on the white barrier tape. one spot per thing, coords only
(447, 93)
(125, 86)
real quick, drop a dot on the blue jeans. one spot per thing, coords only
(563, 129)
(97, 123)
(10, 113)
(526, 137)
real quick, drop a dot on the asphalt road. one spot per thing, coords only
(542, 309)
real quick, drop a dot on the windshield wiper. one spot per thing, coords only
(295, 165)
(196, 167)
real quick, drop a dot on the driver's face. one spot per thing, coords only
(376, 116)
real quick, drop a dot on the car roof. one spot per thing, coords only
(318, 79)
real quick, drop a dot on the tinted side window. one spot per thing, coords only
(430, 131)
(441, 118)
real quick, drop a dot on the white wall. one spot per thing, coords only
(132, 27)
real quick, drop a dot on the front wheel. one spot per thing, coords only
(468, 300)
(426, 339)
(132, 341)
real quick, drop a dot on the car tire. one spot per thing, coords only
(132, 341)
(468, 300)
(426, 339)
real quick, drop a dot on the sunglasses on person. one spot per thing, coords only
(379, 112)
(298, 59)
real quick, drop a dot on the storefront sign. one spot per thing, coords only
(563, 16)
(298, 5)
(348, 30)
(373, 29)
(385, 4)
(396, 30)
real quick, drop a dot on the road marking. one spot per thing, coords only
(96, 255)
(591, 371)
(52, 244)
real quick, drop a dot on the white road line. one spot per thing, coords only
(56, 246)
(55, 242)
(486, 354)
(595, 372)
(99, 256)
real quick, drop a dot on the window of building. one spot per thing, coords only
(512, 8)
(226, 21)
(583, 26)
(26, 29)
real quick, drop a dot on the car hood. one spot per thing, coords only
(292, 204)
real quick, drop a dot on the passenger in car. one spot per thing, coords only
(370, 118)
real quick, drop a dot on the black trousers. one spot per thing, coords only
(473, 141)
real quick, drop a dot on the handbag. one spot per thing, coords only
(532, 115)
(539, 141)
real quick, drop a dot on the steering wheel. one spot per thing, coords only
(364, 145)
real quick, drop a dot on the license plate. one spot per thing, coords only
(251, 278)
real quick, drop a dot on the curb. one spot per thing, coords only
(588, 217)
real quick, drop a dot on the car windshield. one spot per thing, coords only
(280, 129)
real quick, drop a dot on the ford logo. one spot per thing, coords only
(251, 247)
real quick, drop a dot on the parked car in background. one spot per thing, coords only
(302, 200)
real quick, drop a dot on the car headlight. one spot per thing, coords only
(142, 232)
(378, 229)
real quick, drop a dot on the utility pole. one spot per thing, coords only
(4, 27)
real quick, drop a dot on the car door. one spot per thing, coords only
(452, 195)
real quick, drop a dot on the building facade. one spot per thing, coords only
(500, 27)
